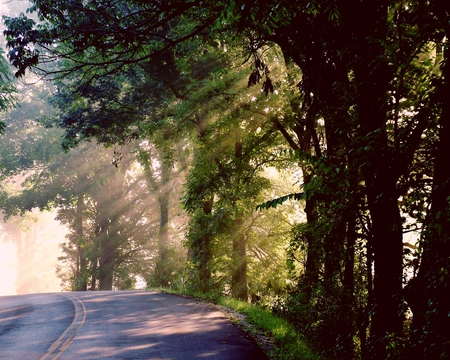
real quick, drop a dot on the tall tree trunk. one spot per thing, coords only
(373, 77)
(239, 243)
(387, 233)
(82, 280)
(162, 269)
(106, 263)
(337, 119)
(94, 275)
(109, 214)
(239, 264)
(310, 278)
(204, 251)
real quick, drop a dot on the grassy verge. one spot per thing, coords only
(288, 343)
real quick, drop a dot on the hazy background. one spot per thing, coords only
(29, 247)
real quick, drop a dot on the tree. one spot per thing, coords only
(160, 175)
(109, 215)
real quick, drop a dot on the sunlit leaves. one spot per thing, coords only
(281, 200)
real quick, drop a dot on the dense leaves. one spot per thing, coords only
(7, 89)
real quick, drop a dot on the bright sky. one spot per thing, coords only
(38, 268)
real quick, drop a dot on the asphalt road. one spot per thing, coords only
(118, 325)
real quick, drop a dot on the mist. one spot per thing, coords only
(29, 252)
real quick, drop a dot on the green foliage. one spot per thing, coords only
(101, 37)
(322, 319)
(289, 343)
(7, 90)
(279, 201)
(26, 144)
(21, 35)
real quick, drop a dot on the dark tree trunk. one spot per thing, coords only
(239, 243)
(239, 259)
(82, 280)
(106, 263)
(349, 266)
(333, 249)
(94, 276)
(205, 252)
(387, 319)
(310, 279)
(373, 76)
(202, 250)
(386, 223)
(162, 269)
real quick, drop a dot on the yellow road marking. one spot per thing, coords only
(63, 342)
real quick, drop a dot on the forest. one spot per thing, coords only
(287, 154)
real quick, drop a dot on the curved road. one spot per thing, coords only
(118, 325)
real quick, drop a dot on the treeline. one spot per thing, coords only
(348, 95)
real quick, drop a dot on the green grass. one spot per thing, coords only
(289, 344)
